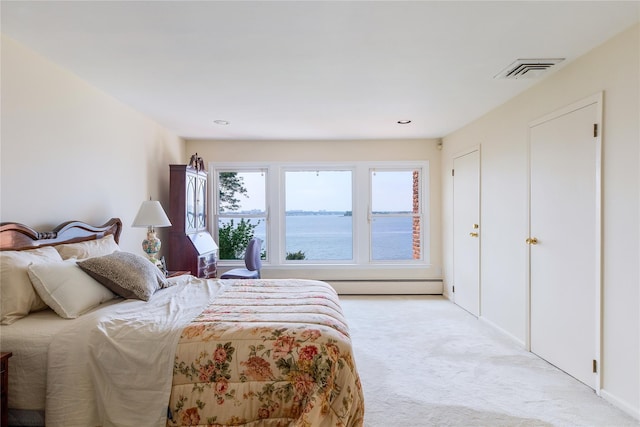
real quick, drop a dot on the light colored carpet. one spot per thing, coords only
(423, 361)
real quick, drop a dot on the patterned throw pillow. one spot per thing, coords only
(126, 274)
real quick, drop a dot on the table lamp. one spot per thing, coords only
(151, 215)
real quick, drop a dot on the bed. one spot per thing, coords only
(98, 339)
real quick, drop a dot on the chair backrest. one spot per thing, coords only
(252, 255)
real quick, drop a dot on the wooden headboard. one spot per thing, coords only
(15, 236)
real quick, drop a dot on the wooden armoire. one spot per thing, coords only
(190, 245)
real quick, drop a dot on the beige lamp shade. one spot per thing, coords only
(151, 214)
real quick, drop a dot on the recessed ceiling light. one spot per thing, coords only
(221, 122)
(404, 122)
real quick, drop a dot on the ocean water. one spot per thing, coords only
(329, 237)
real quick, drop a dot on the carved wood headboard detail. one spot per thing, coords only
(16, 236)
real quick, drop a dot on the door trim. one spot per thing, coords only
(456, 155)
(464, 152)
(596, 99)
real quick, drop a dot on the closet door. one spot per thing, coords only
(564, 239)
(466, 231)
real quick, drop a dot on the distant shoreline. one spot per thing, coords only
(315, 213)
(300, 213)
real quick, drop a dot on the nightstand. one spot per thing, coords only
(4, 389)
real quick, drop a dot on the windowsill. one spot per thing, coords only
(348, 271)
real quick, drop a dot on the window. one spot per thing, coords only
(362, 214)
(396, 215)
(241, 211)
(318, 220)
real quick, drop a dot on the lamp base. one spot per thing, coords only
(151, 246)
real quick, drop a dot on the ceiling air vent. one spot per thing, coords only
(527, 68)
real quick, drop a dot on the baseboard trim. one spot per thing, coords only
(387, 287)
(615, 401)
(512, 337)
(620, 404)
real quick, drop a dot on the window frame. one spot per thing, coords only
(361, 209)
(421, 214)
(315, 167)
(217, 215)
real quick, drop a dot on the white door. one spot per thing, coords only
(564, 240)
(466, 231)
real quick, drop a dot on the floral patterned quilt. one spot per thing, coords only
(267, 353)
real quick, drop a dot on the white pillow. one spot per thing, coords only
(67, 289)
(89, 249)
(17, 296)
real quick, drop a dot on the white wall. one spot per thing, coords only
(70, 151)
(613, 68)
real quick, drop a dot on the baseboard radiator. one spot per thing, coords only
(388, 287)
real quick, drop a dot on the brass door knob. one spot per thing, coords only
(532, 241)
(473, 234)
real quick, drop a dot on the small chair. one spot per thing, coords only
(252, 262)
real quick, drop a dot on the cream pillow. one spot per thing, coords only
(126, 274)
(67, 289)
(17, 295)
(88, 249)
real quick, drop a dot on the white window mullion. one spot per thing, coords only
(362, 203)
(278, 222)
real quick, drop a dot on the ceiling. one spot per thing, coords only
(310, 69)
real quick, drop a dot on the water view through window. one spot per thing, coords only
(325, 236)
(395, 226)
(317, 221)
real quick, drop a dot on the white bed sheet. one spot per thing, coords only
(114, 367)
(28, 339)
